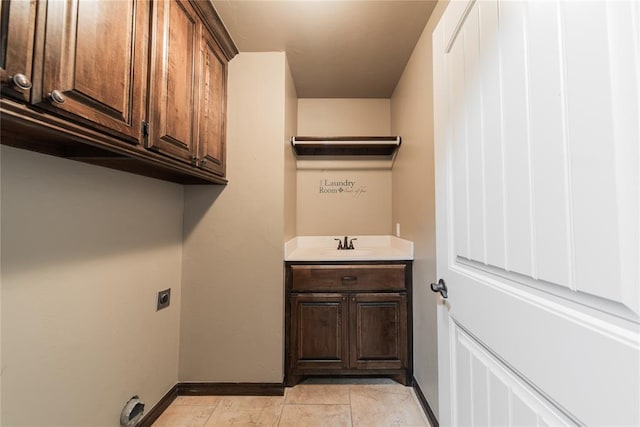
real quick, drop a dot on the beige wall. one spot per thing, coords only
(363, 207)
(343, 117)
(233, 291)
(1, 364)
(84, 252)
(290, 179)
(414, 199)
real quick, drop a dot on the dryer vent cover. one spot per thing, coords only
(132, 412)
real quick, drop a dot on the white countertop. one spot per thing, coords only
(367, 248)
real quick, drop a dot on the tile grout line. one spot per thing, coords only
(211, 414)
(350, 407)
(284, 402)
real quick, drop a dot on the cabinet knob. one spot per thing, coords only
(56, 97)
(194, 160)
(203, 161)
(353, 299)
(20, 81)
(440, 287)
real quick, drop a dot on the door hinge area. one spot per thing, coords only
(145, 129)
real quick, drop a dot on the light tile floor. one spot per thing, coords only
(349, 404)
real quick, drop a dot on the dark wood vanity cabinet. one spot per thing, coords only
(137, 85)
(348, 318)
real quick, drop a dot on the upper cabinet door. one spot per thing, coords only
(174, 81)
(212, 127)
(94, 67)
(17, 28)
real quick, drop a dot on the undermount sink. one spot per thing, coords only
(369, 248)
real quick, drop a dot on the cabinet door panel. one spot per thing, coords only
(319, 331)
(174, 79)
(17, 29)
(95, 57)
(378, 333)
(211, 132)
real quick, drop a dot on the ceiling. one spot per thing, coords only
(335, 49)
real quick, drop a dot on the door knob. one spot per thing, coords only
(440, 287)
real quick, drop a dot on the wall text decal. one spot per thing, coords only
(345, 186)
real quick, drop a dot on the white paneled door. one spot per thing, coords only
(538, 224)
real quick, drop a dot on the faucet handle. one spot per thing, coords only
(351, 243)
(340, 247)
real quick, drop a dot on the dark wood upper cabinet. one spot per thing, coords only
(94, 64)
(213, 104)
(174, 79)
(136, 85)
(188, 95)
(17, 31)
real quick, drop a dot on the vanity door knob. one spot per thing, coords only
(56, 97)
(20, 81)
(440, 287)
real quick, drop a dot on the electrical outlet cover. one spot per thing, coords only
(164, 299)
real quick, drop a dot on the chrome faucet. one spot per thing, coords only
(348, 244)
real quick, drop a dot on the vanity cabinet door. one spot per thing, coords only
(94, 64)
(319, 328)
(16, 47)
(378, 335)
